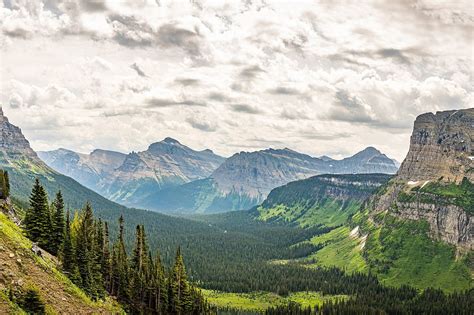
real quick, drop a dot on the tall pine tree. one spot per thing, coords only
(37, 218)
(57, 231)
(180, 299)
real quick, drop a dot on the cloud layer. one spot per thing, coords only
(321, 78)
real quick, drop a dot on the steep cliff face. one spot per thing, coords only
(441, 146)
(435, 181)
(12, 141)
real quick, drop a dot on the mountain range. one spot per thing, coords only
(173, 178)
(412, 228)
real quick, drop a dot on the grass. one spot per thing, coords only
(340, 250)
(401, 252)
(329, 212)
(259, 301)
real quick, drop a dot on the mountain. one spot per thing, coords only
(246, 178)
(87, 169)
(128, 179)
(320, 200)
(416, 229)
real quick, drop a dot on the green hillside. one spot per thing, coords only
(320, 200)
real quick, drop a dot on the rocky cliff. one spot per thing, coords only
(12, 141)
(435, 181)
(441, 146)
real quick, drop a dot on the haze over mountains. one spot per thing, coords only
(172, 177)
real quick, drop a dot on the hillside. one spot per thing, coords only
(416, 229)
(21, 269)
(320, 200)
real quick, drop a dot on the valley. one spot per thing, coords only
(332, 238)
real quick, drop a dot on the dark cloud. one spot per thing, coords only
(245, 108)
(281, 90)
(396, 54)
(187, 81)
(349, 108)
(170, 35)
(250, 72)
(160, 102)
(93, 5)
(18, 32)
(138, 70)
(130, 32)
(201, 125)
(218, 97)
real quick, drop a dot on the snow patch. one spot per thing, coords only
(412, 183)
(471, 158)
(355, 232)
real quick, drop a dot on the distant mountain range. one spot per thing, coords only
(171, 177)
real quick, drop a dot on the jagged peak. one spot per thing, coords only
(170, 140)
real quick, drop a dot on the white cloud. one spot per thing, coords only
(121, 74)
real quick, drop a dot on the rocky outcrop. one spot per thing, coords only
(449, 223)
(441, 146)
(441, 153)
(12, 141)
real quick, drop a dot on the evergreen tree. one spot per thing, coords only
(159, 291)
(180, 295)
(120, 270)
(37, 218)
(57, 232)
(105, 258)
(86, 253)
(68, 255)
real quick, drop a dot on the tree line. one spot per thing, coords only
(138, 281)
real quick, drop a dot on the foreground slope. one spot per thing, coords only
(21, 269)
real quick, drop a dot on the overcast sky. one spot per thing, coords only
(320, 77)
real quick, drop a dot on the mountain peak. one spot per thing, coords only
(170, 140)
(12, 139)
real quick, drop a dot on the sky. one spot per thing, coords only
(319, 77)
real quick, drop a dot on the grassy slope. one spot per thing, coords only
(401, 252)
(259, 301)
(58, 292)
(341, 250)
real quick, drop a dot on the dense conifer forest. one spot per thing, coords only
(103, 264)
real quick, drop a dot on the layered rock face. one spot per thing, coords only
(442, 145)
(12, 140)
(427, 186)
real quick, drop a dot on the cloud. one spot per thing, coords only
(218, 97)
(161, 102)
(250, 72)
(282, 90)
(350, 109)
(245, 108)
(187, 81)
(202, 124)
(294, 114)
(139, 71)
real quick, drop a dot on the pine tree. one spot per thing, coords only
(57, 232)
(120, 270)
(37, 218)
(106, 259)
(180, 294)
(159, 291)
(84, 251)
(68, 256)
